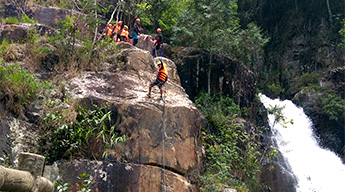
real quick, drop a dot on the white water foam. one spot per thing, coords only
(316, 169)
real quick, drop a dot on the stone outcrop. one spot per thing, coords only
(140, 117)
(330, 132)
(111, 177)
(19, 33)
(223, 75)
(28, 177)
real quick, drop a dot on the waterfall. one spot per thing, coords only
(316, 169)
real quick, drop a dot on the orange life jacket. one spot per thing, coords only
(162, 73)
(124, 33)
(117, 29)
(108, 31)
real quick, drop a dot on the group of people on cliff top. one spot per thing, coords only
(120, 32)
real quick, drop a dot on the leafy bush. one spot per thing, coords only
(18, 88)
(26, 19)
(84, 184)
(3, 46)
(275, 90)
(232, 151)
(11, 20)
(67, 133)
(333, 106)
(308, 79)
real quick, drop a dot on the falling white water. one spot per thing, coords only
(316, 169)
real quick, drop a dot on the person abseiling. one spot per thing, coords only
(107, 31)
(162, 78)
(124, 34)
(137, 31)
(157, 43)
(116, 31)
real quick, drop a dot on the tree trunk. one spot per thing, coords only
(329, 13)
(209, 75)
(96, 28)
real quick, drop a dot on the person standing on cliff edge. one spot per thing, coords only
(157, 43)
(162, 78)
(136, 32)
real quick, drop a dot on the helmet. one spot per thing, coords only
(126, 27)
(159, 63)
(120, 23)
(109, 25)
(159, 30)
(138, 20)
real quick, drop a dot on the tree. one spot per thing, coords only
(160, 13)
(215, 26)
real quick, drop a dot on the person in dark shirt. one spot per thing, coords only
(157, 43)
(137, 31)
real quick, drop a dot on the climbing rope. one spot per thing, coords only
(163, 158)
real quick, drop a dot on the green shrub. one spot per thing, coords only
(4, 44)
(232, 152)
(275, 90)
(333, 106)
(84, 183)
(26, 19)
(65, 138)
(308, 79)
(11, 20)
(18, 88)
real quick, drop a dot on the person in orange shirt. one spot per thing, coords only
(116, 31)
(162, 78)
(107, 31)
(124, 34)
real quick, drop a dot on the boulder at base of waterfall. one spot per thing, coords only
(330, 132)
(141, 118)
(110, 177)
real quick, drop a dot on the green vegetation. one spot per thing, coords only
(278, 115)
(232, 151)
(18, 88)
(26, 19)
(84, 184)
(11, 20)
(66, 133)
(275, 90)
(215, 26)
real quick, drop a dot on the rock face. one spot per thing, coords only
(141, 118)
(330, 132)
(18, 33)
(223, 75)
(121, 177)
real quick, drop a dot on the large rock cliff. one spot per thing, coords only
(141, 119)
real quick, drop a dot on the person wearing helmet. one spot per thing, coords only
(116, 31)
(137, 31)
(107, 31)
(157, 43)
(162, 78)
(124, 33)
